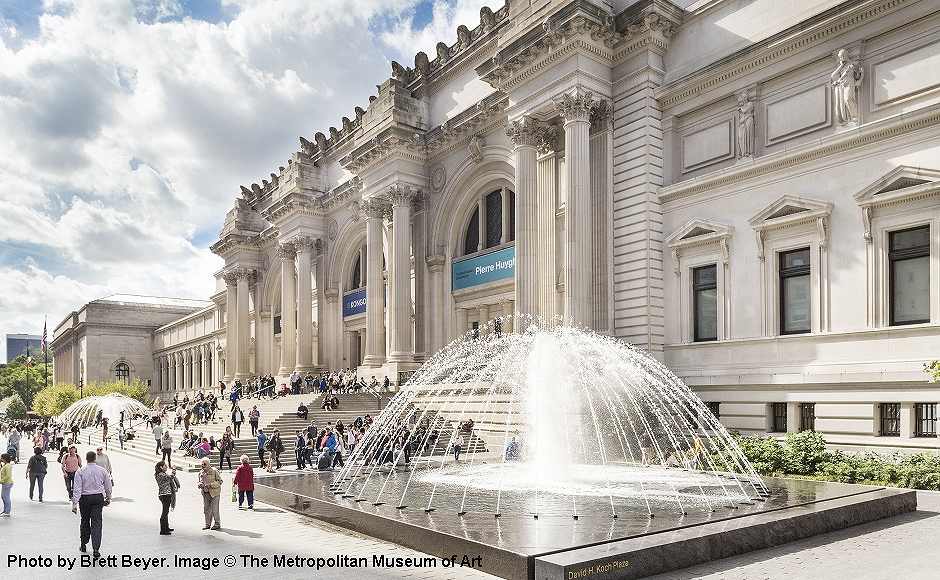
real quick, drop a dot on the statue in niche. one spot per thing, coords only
(846, 80)
(475, 148)
(745, 132)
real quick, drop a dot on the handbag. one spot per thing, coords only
(234, 493)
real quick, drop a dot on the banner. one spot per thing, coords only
(354, 302)
(476, 270)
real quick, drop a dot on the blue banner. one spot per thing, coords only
(354, 302)
(476, 270)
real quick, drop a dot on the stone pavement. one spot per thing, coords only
(131, 528)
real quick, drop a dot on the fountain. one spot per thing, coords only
(579, 453)
(83, 411)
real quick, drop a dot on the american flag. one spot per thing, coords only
(42, 344)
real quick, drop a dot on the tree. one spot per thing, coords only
(23, 379)
(13, 407)
(54, 399)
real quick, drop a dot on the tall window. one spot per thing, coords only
(925, 420)
(715, 408)
(471, 240)
(779, 411)
(492, 227)
(807, 416)
(122, 372)
(494, 219)
(794, 291)
(909, 259)
(705, 303)
(357, 273)
(890, 419)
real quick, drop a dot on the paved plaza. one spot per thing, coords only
(50, 529)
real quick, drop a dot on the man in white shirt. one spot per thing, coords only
(157, 435)
(91, 491)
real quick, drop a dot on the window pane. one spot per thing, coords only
(512, 216)
(494, 219)
(472, 238)
(705, 276)
(706, 314)
(795, 259)
(911, 290)
(908, 239)
(796, 304)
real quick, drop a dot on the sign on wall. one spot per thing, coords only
(476, 270)
(354, 302)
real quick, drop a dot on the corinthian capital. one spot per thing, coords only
(230, 278)
(286, 251)
(248, 274)
(525, 132)
(401, 194)
(373, 208)
(304, 243)
(576, 106)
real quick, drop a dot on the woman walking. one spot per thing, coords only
(6, 484)
(165, 491)
(245, 481)
(36, 471)
(237, 419)
(210, 482)
(166, 447)
(71, 463)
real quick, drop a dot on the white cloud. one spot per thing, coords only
(126, 130)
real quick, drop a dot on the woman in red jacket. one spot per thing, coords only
(245, 480)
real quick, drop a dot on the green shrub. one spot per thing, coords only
(804, 452)
(13, 407)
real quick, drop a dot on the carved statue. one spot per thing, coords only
(307, 147)
(320, 138)
(475, 148)
(846, 80)
(422, 64)
(463, 36)
(487, 19)
(443, 52)
(745, 132)
(360, 113)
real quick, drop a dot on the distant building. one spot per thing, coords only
(18, 343)
(112, 338)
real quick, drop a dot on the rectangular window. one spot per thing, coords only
(807, 416)
(705, 302)
(277, 325)
(925, 420)
(890, 419)
(795, 304)
(715, 408)
(779, 411)
(909, 259)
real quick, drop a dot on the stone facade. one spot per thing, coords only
(583, 160)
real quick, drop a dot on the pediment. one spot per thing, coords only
(790, 209)
(901, 183)
(697, 231)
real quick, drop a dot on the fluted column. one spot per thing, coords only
(327, 339)
(435, 316)
(461, 322)
(323, 312)
(178, 361)
(576, 109)
(207, 366)
(484, 315)
(244, 278)
(375, 285)
(526, 135)
(304, 246)
(286, 254)
(231, 298)
(187, 369)
(402, 347)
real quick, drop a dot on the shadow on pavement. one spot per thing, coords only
(242, 533)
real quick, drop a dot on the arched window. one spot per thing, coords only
(357, 272)
(492, 206)
(123, 372)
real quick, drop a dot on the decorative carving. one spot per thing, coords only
(356, 208)
(463, 37)
(443, 53)
(525, 132)
(487, 19)
(248, 274)
(438, 178)
(866, 223)
(677, 270)
(285, 251)
(576, 106)
(475, 148)
(422, 64)
(400, 194)
(745, 134)
(402, 74)
(822, 231)
(846, 80)
(549, 141)
(320, 139)
(760, 244)
(332, 229)
(373, 208)
(230, 278)
(603, 116)
(304, 243)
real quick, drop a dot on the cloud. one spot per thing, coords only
(128, 126)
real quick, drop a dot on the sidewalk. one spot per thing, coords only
(131, 529)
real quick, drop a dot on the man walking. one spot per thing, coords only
(210, 482)
(253, 417)
(262, 441)
(91, 491)
(157, 434)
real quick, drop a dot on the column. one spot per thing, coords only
(505, 234)
(402, 347)
(286, 254)
(328, 335)
(547, 207)
(375, 285)
(323, 312)
(435, 316)
(157, 375)
(178, 360)
(576, 110)
(304, 246)
(461, 322)
(245, 276)
(484, 319)
(230, 324)
(526, 135)
(207, 366)
(510, 323)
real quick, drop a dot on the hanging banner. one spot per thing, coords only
(354, 302)
(476, 270)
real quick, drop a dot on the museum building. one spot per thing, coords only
(747, 189)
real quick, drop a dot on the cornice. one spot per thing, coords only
(868, 134)
(342, 193)
(391, 143)
(481, 118)
(775, 49)
(293, 203)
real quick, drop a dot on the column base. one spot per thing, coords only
(304, 369)
(401, 357)
(243, 376)
(373, 361)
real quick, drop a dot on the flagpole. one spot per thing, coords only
(45, 354)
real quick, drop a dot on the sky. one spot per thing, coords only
(126, 127)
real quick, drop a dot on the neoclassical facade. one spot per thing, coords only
(746, 189)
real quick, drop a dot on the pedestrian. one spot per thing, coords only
(458, 447)
(6, 484)
(36, 471)
(238, 417)
(13, 444)
(71, 463)
(91, 492)
(299, 444)
(104, 429)
(262, 442)
(104, 461)
(276, 446)
(166, 447)
(210, 482)
(166, 489)
(245, 482)
(157, 435)
(226, 446)
(253, 417)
